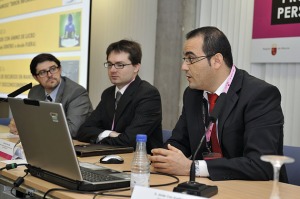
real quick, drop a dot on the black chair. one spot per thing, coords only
(293, 169)
(166, 135)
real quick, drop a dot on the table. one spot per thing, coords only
(227, 189)
(3, 128)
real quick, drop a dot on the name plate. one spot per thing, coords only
(150, 193)
(6, 149)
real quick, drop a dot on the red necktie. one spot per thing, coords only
(212, 98)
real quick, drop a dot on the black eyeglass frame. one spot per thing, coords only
(200, 58)
(116, 65)
(44, 73)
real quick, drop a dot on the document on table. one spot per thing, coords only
(8, 135)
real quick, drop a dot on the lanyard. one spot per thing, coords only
(227, 85)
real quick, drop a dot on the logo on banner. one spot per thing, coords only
(274, 49)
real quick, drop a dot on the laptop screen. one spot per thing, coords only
(45, 136)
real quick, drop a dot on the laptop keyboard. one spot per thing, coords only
(93, 176)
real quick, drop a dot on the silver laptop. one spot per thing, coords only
(49, 149)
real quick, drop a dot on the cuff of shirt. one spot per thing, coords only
(103, 135)
(201, 168)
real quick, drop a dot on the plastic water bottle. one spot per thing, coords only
(140, 166)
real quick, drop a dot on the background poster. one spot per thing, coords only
(31, 27)
(276, 31)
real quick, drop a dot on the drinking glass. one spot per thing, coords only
(277, 161)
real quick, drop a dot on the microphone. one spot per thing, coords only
(192, 187)
(18, 91)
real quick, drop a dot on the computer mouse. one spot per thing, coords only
(111, 159)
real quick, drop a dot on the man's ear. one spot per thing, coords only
(137, 67)
(217, 60)
(35, 77)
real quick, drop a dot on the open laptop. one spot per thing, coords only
(49, 149)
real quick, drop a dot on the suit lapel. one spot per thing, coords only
(127, 97)
(198, 128)
(60, 91)
(40, 94)
(231, 99)
(110, 106)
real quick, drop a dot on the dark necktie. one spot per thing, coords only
(212, 98)
(48, 97)
(118, 97)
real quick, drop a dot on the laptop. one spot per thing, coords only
(49, 149)
(86, 150)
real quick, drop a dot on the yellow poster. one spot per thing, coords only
(10, 8)
(16, 73)
(57, 32)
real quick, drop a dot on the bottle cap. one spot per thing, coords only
(141, 138)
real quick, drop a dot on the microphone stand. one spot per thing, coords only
(192, 187)
(17, 92)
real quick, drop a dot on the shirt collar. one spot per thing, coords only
(219, 90)
(122, 90)
(53, 94)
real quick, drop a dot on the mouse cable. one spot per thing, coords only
(71, 191)
(67, 190)
(163, 174)
(108, 192)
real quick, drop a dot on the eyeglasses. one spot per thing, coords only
(192, 60)
(44, 73)
(116, 65)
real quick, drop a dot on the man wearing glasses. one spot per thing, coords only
(52, 87)
(131, 106)
(249, 125)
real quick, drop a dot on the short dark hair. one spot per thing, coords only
(214, 41)
(41, 58)
(131, 47)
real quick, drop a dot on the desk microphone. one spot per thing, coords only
(17, 92)
(20, 90)
(192, 187)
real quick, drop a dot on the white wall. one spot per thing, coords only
(113, 20)
(234, 18)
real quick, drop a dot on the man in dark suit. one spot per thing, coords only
(117, 120)
(46, 70)
(249, 125)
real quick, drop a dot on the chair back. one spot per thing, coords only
(166, 135)
(4, 121)
(293, 169)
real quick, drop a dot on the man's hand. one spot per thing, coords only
(12, 127)
(170, 161)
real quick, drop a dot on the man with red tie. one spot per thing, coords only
(249, 125)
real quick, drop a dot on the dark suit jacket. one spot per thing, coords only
(138, 112)
(73, 97)
(250, 124)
